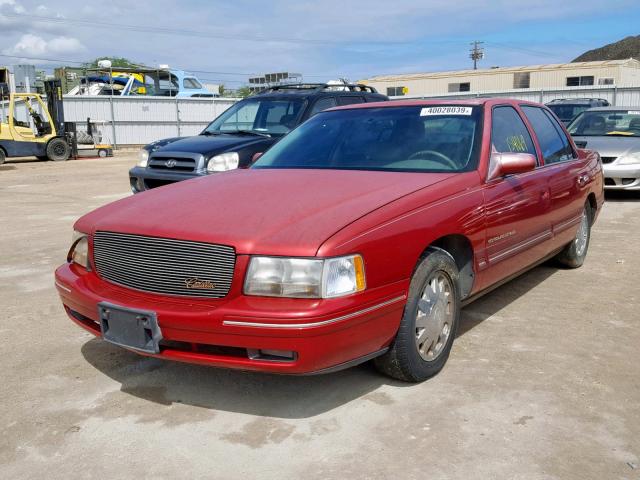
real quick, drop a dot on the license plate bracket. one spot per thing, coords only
(130, 328)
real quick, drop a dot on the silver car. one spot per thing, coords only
(614, 132)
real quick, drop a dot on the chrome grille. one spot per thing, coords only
(173, 164)
(164, 265)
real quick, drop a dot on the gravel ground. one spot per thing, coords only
(543, 381)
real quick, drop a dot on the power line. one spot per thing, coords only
(21, 57)
(175, 31)
(521, 49)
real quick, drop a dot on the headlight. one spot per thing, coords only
(223, 162)
(143, 158)
(629, 159)
(79, 251)
(304, 277)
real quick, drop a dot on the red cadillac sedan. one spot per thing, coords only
(358, 236)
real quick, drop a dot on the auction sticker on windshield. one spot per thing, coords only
(445, 111)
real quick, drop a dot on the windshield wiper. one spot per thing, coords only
(247, 132)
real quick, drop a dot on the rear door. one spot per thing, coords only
(564, 171)
(516, 206)
(350, 99)
(321, 104)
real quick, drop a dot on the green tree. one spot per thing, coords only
(244, 92)
(115, 62)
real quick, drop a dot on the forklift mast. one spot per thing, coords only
(53, 89)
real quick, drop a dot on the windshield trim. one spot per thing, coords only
(612, 133)
(301, 112)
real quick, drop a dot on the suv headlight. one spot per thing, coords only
(79, 251)
(305, 277)
(223, 162)
(629, 159)
(143, 157)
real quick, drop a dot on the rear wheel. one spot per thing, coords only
(429, 323)
(58, 150)
(3, 157)
(574, 253)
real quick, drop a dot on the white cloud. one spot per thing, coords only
(35, 46)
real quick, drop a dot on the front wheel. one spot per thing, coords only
(429, 323)
(2, 156)
(58, 150)
(574, 253)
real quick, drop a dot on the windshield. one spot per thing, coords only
(606, 122)
(567, 112)
(270, 116)
(423, 139)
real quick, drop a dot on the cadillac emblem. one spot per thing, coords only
(196, 283)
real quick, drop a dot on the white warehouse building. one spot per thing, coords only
(501, 79)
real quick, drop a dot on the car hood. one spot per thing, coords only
(610, 146)
(209, 144)
(265, 211)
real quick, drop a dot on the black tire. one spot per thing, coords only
(574, 253)
(404, 360)
(84, 138)
(3, 157)
(58, 150)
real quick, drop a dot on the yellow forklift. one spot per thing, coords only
(29, 127)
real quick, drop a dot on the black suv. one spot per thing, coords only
(566, 109)
(248, 127)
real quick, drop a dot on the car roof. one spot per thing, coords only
(612, 108)
(575, 101)
(487, 101)
(307, 90)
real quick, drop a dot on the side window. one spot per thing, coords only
(191, 83)
(322, 104)
(349, 100)
(509, 133)
(555, 147)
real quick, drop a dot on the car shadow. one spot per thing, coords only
(494, 301)
(6, 167)
(280, 396)
(621, 196)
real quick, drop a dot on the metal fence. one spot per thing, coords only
(140, 120)
(624, 96)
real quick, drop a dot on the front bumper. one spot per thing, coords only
(324, 334)
(142, 178)
(621, 177)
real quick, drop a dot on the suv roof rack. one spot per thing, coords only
(582, 99)
(321, 87)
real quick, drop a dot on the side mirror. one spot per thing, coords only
(256, 156)
(503, 164)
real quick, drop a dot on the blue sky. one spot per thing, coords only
(225, 42)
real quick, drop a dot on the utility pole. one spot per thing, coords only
(477, 53)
